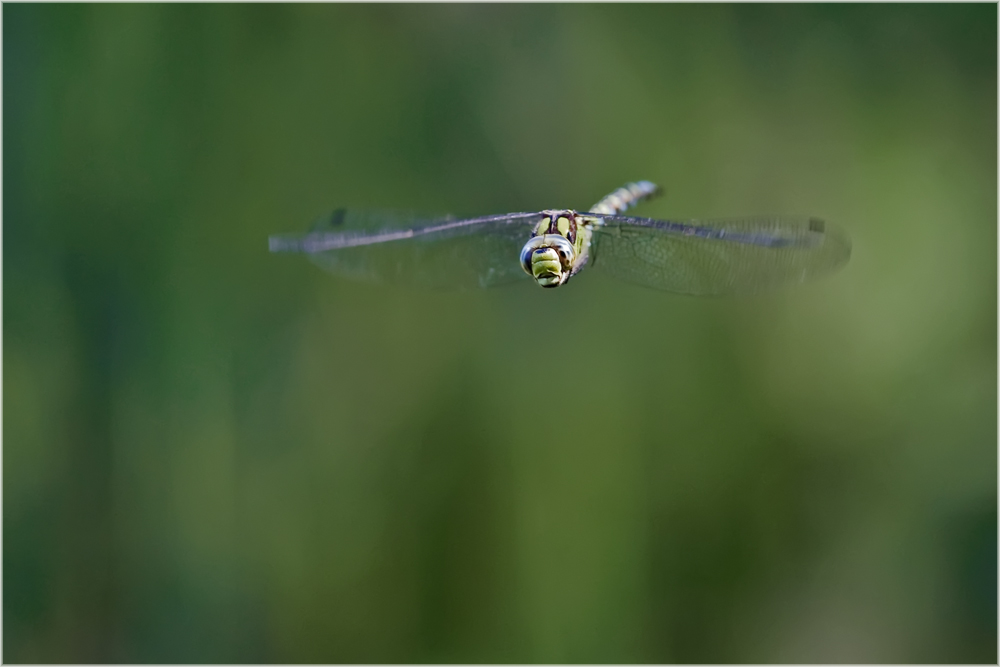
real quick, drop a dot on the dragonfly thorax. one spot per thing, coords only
(562, 222)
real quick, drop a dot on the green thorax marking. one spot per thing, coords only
(566, 223)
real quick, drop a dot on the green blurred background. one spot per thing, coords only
(216, 454)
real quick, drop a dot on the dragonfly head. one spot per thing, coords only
(548, 259)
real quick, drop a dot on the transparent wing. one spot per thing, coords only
(740, 255)
(394, 247)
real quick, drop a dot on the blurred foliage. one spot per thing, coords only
(215, 454)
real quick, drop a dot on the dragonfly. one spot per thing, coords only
(550, 247)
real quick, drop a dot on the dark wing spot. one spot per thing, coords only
(816, 225)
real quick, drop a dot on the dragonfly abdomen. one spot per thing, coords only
(626, 197)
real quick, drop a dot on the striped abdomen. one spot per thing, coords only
(625, 198)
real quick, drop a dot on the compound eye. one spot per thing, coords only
(566, 252)
(526, 259)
